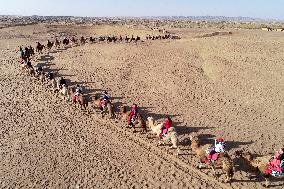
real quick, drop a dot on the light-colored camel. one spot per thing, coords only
(172, 137)
(257, 164)
(224, 160)
(65, 93)
(108, 109)
(156, 129)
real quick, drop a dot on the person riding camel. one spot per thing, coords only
(133, 115)
(78, 92)
(168, 124)
(29, 65)
(104, 100)
(213, 151)
(31, 49)
(21, 52)
(39, 70)
(62, 81)
(50, 76)
(275, 166)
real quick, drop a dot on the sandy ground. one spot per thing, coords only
(229, 86)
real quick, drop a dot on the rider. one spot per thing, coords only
(167, 124)
(104, 100)
(62, 81)
(276, 164)
(133, 114)
(31, 49)
(39, 70)
(50, 76)
(78, 91)
(29, 64)
(219, 146)
(21, 52)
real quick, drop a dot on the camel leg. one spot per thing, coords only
(214, 172)
(178, 151)
(227, 178)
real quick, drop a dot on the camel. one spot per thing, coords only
(66, 41)
(53, 84)
(224, 160)
(39, 48)
(108, 109)
(49, 45)
(92, 40)
(83, 40)
(81, 99)
(124, 114)
(65, 93)
(57, 43)
(257, 164)
(173, 137)
(140, 123)
(137, 39)
(155, 128)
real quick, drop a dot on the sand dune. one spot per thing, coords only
(227, 86)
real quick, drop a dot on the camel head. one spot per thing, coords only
(150, 119)
(151, 122)
(193, 137)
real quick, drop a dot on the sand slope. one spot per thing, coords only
(229, 86)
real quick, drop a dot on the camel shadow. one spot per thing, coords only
(184, 132)
(210, 139)
(59, 50)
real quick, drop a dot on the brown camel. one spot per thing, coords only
(49, 45)
(81, 99)
(39, 47)
(140, 123)
(124, 114)
(57, 43)
(108, 108)
(257, 164)
(224, 160)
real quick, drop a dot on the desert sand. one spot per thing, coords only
(229, 85)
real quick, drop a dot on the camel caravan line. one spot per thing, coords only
(73, 41)
(209, 156)
(272, 29)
